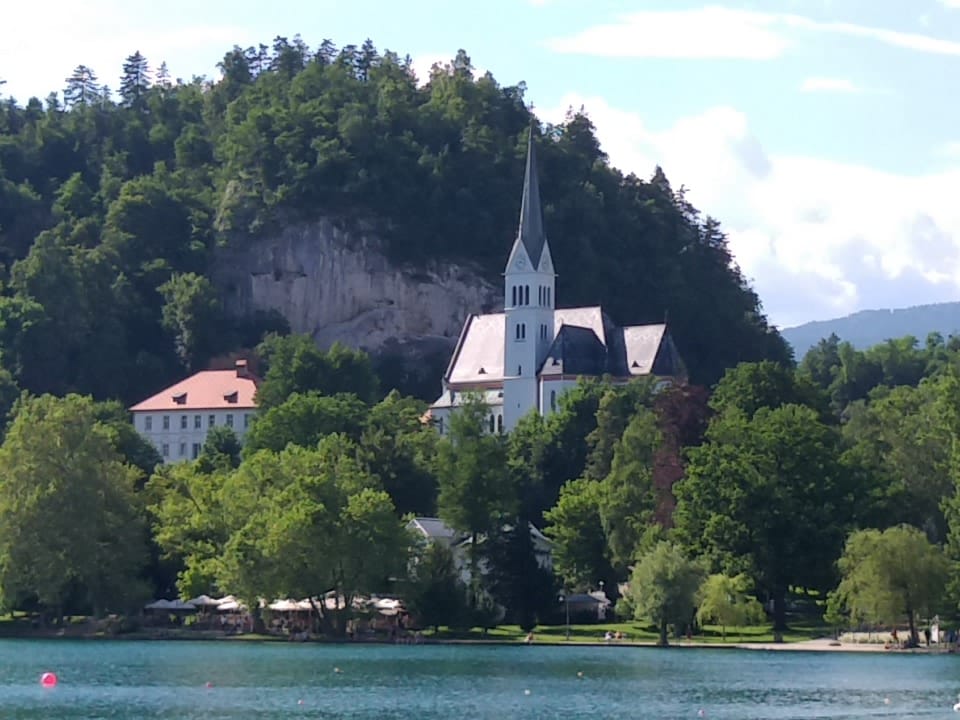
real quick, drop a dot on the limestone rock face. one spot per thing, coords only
(335, 283)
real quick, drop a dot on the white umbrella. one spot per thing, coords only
(159, 605)
(204, 601)
(284, 606)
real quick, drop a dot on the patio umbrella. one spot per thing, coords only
(159, 605)
(204, 602)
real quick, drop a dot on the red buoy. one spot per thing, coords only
(48, 680)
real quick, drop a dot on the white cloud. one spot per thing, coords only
(711, 32)
(109, 34)
(950, 3)
(829, 84)
(718, 32)
(818, 238)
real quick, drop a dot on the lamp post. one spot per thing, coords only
(565, 599)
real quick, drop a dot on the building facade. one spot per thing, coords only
(176, 420)
(527, 356)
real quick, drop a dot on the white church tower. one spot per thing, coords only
(529, 284)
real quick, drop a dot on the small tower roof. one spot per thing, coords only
(531, 232)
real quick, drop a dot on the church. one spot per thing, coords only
(527, 356)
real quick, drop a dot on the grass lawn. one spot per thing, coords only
(800, 629)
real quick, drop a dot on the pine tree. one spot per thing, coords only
(82, 88)
(135, 81)
(162, 77)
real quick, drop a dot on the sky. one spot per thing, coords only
(823, 134)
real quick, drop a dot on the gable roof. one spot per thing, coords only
(205, 390)
(478, 356)
(575, 351)
(433, 528)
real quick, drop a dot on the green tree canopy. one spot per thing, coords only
(70, 529)
(769, 496)
(663, 588)
(891, 576)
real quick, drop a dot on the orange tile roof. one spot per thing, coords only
(206, 390)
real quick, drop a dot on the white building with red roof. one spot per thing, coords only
(176, 420)
(527, 356)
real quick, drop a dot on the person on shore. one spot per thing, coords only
(529, 638)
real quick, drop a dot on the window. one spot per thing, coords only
(183, 422)
(183, 449)
(440, 425)
(166, 422)
(211, 421)
(246, 420)
(165, 450)
(540, 295)
(229, 420)
(553, 400)
(499, 423)
(197, 422)
(490, 423)
(519, 369)
(148, 423)
(513, 295)
(526, 294)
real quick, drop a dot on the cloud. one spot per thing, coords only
(109, 34)
(725, 33)
(950, 3)
(828, 84)
(712, 32)
(818, 238)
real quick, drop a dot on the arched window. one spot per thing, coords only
(553, 400)
(513, 294)
(540, 295)
(516, 332)
(523, 331)
(526, 294)
(490, 422)
(499, 423)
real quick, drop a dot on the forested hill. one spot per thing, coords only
(867, 328)
(112, 205)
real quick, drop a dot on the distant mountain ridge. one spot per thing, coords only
(869, 327)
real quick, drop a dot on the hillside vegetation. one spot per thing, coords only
(112, 206)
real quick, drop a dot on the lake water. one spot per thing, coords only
(278, 680)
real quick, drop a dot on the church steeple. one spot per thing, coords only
(531, 215)
(528, 302)
(531, 238)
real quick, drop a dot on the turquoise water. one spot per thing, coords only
(267, 681)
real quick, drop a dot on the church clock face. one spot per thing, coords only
(521, 263)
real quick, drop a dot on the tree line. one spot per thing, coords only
(115, 202)
(781, 484)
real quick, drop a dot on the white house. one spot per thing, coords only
(531, 353)
(176, 420)
(435, 530)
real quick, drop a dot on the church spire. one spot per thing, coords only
(531, 232)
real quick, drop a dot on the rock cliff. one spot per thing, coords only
(335, 284)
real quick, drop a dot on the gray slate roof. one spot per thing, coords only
(586, 343)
